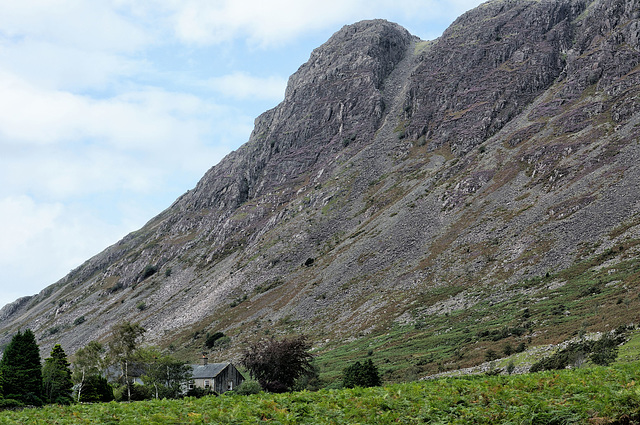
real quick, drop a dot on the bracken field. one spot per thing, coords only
(597, 395)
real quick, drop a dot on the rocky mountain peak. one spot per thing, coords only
(493, 61)
(331, 101)
(367, 50)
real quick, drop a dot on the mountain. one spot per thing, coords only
(424, 200)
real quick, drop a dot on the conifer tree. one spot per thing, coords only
(21, 369)
(56, 377)
(361, 375)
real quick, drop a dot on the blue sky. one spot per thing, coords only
(111, 109)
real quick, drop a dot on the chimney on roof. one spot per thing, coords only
(204, 360)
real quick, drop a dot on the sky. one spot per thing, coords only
(111, 109)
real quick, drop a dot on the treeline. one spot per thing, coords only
(125, 370)
(100, 373)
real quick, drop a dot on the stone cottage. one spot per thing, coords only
(218, 377)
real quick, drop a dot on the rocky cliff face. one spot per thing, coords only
(399, 180)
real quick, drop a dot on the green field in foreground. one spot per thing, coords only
(589, 395)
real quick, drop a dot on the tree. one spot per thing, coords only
(96, 389)
(211, 339)
(21, 369)
(276, 364)
(361, 375)
(123, 349)
(88, 364)
(164, 373)
(56, 377)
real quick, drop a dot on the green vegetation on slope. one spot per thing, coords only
(599, 395)
(598, 294)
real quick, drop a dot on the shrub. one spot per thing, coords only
(238, 301)
(212, 338)
(149, 271)
(248, 387)
(138, 393)
(222, 343)
(96, 389)
(198, 392)
(605, 350)
(9, 403)
(490, 355)
(79, 320)
(361, 375)
(602, 352)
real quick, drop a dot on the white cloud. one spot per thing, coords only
(262, 22)
(65, 144)
(88, 25)
(241, 85)
(54, 66)
(43, 241)
(275, 22)
(131, 120)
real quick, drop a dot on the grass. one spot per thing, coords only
(594, 395)
(597, 294)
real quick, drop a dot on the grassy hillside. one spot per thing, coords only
(462, 324)
(591, 395)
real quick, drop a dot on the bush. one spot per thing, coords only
(602, 352)
(211, 339)
(361, 375)
(605, 350)
(198, 392)
(138, 393)
(222, 343)
(149, 271)
(79, 320)
(490, 355)
(96, 389)
(10, 403)
(248, 387)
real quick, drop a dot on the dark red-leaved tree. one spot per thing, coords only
(276, 364)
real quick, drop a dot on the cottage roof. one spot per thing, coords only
(210, 370)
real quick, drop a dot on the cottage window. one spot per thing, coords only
(230, 385)
(191, 385)
(207, 384)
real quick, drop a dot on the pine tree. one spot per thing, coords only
(56, 377)
(96, 389)
(361, 375)
(21, 369)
